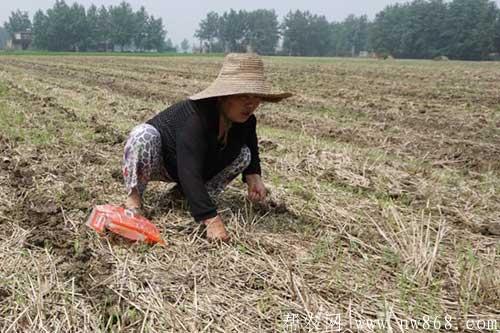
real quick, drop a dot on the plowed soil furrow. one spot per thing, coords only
(137, 89)
(458, 140)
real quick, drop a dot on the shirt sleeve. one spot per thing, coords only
(252, 143)
(191, 149)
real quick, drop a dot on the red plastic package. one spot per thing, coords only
(125, 223)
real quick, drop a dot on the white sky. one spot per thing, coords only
(181, 17)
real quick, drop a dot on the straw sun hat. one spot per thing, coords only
(241, 73)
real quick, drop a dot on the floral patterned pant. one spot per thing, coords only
(143, 162)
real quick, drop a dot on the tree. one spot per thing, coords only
(104, 29)
(461, 29)
(40, 30)
(78, 32)
(233, 27)
(295, 33)
(141, 24)
(122, 24)
(433, 23)
(208, 30)
(471, 29)
(93, 29)
(497, 33)
(185, 45)
(318, 36)
(422, 28)
(59, 27)
(4, 35)
(64, 28)
(235, 31)
(155, 34)
(169, 46)
(262, 32)
(388, 29)
(18, 21)
(355, 35)
(305, 34)
(344, 36)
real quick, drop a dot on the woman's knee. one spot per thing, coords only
(144, 142)
(142, 156)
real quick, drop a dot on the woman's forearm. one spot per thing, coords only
(252, 178)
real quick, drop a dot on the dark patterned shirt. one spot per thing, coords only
(192, 153)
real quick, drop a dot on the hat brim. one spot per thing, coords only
(271, 98)
(220, 89)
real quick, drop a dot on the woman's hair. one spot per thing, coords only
(226, 124)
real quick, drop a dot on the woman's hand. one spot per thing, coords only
(216, 231)
(256, 189)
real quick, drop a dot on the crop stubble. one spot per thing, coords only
(384, 186)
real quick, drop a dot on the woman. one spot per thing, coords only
(204, 142)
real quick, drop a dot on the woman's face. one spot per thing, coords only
(238, 108)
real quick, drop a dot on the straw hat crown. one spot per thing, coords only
(241, 73)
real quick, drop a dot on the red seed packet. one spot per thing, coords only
(125, 223)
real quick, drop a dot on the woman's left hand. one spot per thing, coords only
(256, 189)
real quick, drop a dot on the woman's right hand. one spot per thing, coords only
(216, 231)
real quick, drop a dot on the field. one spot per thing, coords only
(384, 207)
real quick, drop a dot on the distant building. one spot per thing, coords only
(20, 40)
(364, 54)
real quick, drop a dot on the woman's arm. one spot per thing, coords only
(252, 174)
(191, 149)
(253, 145)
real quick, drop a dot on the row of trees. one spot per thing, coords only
(460, 29)
(236, 31)
(306, 34)
(71, 28)
(303, 33)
